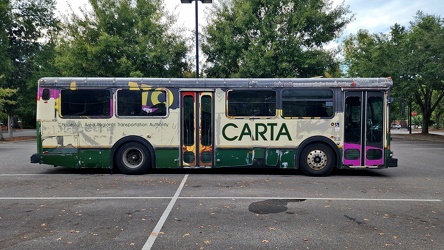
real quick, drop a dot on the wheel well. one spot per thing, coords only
(318, 139)
(133, 138)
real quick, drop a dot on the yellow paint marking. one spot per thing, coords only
(73, 86)
(133, 85)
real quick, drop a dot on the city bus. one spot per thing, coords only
(135, 125)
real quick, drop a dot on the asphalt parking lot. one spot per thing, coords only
(42, 207)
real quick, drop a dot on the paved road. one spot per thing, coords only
(415, 131)
(19, 132)
(42, 207)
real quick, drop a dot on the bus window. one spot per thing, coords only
(352, 119)
(375, 118)
(141, 103)
(85, 102)
(307, 103)
(251, 103)
(206, 125)
(188, 122)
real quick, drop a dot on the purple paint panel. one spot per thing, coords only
(54, 93)
(111, 111)
(353, 162)
(357, 161)
(374, 162)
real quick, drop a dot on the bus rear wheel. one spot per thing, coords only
(317, 159)
(133, 158)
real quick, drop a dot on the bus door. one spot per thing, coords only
(364, 129)
(197, 135)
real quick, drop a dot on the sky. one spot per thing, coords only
(373, 15)
(379, 15)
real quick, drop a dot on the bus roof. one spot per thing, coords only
(110, 82)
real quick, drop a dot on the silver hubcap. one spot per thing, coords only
(133, 157)
(317, 160)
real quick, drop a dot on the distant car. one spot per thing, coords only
(397, 126)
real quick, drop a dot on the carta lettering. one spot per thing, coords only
(257, 132)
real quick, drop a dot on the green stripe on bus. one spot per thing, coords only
(234, 157)
(167, 158)
(77, 158)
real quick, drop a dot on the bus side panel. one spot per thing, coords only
(64, 160)
(84, 158)
(94, 158)
(234, 157)
(167, 157)
(271, 157)
(280, 158)
(46, 108)
(244, 157)
(286, 158)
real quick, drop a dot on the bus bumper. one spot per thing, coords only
(35, 158)
(392, 162)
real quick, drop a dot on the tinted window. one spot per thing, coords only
(375, 117)
(251, 103)
(46, 94)
(141, 103)
(188, 120)
(307, 103)
(353, 119)
(85, 103)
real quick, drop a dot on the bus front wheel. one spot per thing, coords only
(133, 158)
(317, 159)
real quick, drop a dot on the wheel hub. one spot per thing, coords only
(317, 160)
(133, 157)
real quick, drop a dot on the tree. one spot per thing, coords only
(439, 112)
(30, 26)
(367, 55)
(425, 64)
(273, 38)
(413, 57)
(5, 22)
(122, 38)
(6, 98)
(378, 55)
(4, 63)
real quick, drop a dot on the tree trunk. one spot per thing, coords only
(425, 122)
(10, 126)
(438, 121)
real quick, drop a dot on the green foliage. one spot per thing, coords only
(122, 38)
(414, 58)
(367, 54)
(6, 96)
(30, 28)
(5, 21)
(4, 62)
(274, 38)
(425, 63)
(7, 99)
(439, 113)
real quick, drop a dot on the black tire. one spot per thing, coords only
(317, 159)
(133, 158)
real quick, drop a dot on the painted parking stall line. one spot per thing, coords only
(89, 198)
(219, 198)
(149, 243)
(312, 199)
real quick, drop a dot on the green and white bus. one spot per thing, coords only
(138, 124)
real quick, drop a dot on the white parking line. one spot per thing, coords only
(149, 243)
(88, 198)
(308, 198)
(215, 198)
(21, 174)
